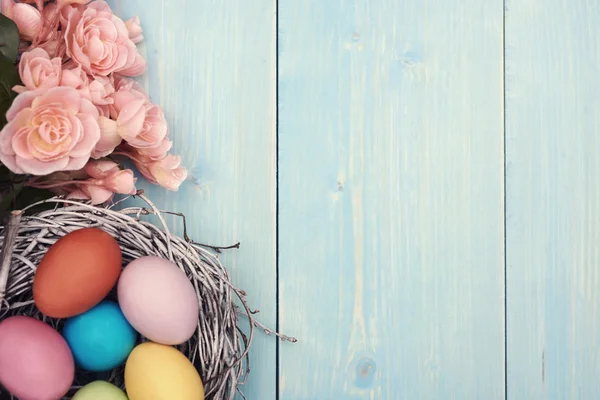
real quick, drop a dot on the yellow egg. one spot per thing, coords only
(158, 372)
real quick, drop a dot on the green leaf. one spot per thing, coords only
(6, 175)
(19, 196)
(9, 77)
(9, 38)
(29, 195)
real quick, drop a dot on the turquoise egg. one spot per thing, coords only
(101, 338)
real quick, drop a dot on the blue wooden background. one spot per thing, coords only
(414, 184)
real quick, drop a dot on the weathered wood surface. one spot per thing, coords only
(391, 247)
(212, 68)
(431, 155)
(552, 199)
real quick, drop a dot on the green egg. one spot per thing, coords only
(100, 390)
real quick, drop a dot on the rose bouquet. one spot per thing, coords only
(71, 113)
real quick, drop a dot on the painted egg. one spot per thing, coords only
(159, 300)
(159, 372)
(76, 273)
(101, 338)
(35, 361)
(99, 390)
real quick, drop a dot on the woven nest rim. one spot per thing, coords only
(219, 347)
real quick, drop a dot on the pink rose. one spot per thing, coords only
(128, 84)
(109, 175)
(122, 181)
(50, 38)
(99, 169)
(38, 71)
(109, 137)
(166, 172)
(139, 122)
(99, 41)
(37, 25)
(98, 181)
(73, 76)
(62, 3)
(156, 153)
(106, 179)
(49, 131)
(65, 13)
(55, 47)
(135, 29)
(101, 87)
(85, 191)
(98, 91)
(27, 18)
(125, 85)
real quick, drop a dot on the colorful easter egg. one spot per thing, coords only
(35, 361)
(76, 273)
(159, 372)
(159, 300)
(101, 338)
(99, 390)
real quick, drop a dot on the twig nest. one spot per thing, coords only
(218, 347)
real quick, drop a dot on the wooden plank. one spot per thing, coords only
(212, 68)
(553, 194)
(391, 246)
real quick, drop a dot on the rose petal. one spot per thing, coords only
(87, 107)
(159, 152)
(10, 130)
(10, 162)
(78, 195)
(121, 182)
(91, 138)
(135, 29)
(61, 95)
(109, 138)
(100, 169)
(76, 163)
(37, 167)
(23, 100)
(27, 18)
(97, 194)
(131, 119)
(19, 143)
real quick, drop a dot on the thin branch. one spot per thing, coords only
(12, 229)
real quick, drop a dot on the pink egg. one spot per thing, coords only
(158, 300)
(35, 361)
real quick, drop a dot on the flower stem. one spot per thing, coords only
(62, 183)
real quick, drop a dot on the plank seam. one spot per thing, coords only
(504, 200)
(277, 317)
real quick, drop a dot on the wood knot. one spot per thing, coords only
(365, 372)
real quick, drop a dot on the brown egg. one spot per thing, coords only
(76, 273)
